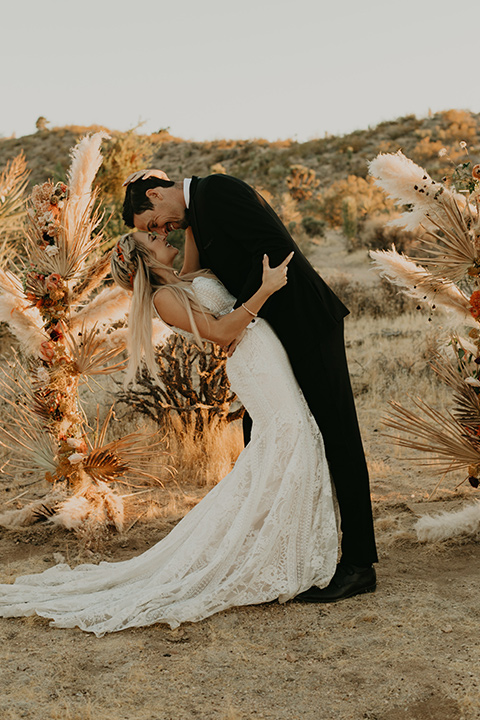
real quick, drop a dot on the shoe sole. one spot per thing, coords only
(319, 601)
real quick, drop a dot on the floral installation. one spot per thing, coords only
(68, 332)
(448, 277)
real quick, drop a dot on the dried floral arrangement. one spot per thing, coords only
(68, 331)
(448, 214)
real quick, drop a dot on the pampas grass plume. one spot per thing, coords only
(419, 284)
(72, 513)
(449, 524)
(110, 305)
(408, 184)
(86, 160)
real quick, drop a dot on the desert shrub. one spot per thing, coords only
(427, 149)
(461, 125)
(314, 227)
(379, 300)
(123, 154)
(218, 169)
(376, 234)
(368, 197)
(350, 220)
(301, 182)
(193, 387)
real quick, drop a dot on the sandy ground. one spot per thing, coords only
(410, 651)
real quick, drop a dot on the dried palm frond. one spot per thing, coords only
(23, 431)
(466, 408)
(105, 465)
(440, 435)
(90, 355)
(125, 458)
(31, 447)
(13, 183)
(418, 283)
(453, 252)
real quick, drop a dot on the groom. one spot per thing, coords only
(233, 227)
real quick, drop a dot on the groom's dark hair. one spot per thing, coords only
(136, 201)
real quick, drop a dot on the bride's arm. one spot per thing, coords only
(225, 329)
(191, 259)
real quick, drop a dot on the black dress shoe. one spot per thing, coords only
(349, 580)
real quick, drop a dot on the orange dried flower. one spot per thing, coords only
(476, 172)
(475, 304)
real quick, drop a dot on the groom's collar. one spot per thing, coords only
(186, 191)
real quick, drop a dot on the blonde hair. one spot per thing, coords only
(133, 268)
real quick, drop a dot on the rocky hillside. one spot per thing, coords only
(267, 164)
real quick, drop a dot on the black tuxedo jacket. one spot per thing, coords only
(233, 227)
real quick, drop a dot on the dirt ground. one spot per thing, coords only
(410, 651)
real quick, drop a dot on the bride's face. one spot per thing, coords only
(157, 246)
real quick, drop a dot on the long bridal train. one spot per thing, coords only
(266, 531)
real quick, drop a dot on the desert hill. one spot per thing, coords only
(267, 164)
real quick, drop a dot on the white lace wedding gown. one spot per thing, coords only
(266, 531)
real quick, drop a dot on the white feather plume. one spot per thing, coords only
(449, 524)
(418, 283)
(94, 505)
(109, 306)
(24, 322)
(86, 160)
(409, 184)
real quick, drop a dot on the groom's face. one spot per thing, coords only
(168, 212)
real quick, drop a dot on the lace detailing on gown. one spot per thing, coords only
(212, 295)
(266, 531)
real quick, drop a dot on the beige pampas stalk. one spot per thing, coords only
(449, 524)
(115, 339)
(72, 513)
(10, 283)
(86, 160)
(418, 283)
(29, 515)
(25, 322)
(409, 184)
(94, 505)
(109, 306)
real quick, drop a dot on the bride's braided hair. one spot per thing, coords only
(124, 261)
(133, 268)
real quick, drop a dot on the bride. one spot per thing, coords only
(268, 530)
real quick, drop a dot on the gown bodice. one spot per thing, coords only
(212, 294)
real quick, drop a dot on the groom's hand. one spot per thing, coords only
(144, 175)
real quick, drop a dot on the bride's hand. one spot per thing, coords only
(275, 278)
(144, 175)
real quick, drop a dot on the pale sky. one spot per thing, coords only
(210, 69)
